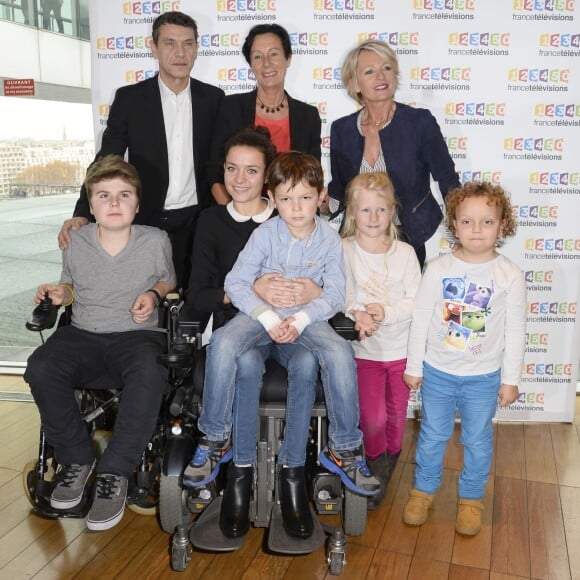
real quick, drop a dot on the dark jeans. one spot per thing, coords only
(180, 227)
(72, 358)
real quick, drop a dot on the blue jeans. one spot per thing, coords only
(228, 361)
(476, 399)
(302, 370)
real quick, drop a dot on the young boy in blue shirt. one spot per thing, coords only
(296, 243)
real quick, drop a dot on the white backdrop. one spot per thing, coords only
(501, 76)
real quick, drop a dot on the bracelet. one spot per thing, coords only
(72, 294)
(156, 294)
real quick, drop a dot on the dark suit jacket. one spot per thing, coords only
(239, 111)
(135, 124)
(414, 149)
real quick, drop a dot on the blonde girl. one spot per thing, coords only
(382, 274)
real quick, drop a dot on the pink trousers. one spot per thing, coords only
(383, 398)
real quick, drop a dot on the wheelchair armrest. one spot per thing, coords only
(193, 323)
(344, 326)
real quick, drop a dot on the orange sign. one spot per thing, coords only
(19, 87)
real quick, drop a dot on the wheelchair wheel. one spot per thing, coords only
(180, 557)
(173, 509)
(143, 510)
(30, 479)
(335, 564)
(354, 514)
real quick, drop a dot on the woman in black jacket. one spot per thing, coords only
(292, 124)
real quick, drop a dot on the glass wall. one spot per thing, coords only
(45, 148)
(70, 17)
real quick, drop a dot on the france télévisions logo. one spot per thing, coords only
(343, 10)
(539, 144)
(539, 280)
(136, 76)
(536, 216)
(474, 113)
(489, 176)
(557, 115)
(327, 77)
(237, 6)
(400, 42)
(533, 148)
(219, 40)
(457, 147)
(123, 47)
(119, 43)
(538, 79)
(544, 10)
(310, 43)
(554, 178)
(149, 8)
(552, 248)
(236, 74)
(479, 39)
(559, 40)
(479, 43)
(559, 44)
(449, 78)
(322, 107)
(443, 9)
(555, 182)
(226, 44)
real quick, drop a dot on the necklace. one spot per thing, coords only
(271, 110)
(384, 122)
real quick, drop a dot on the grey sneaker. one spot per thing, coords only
(352, 469)
(206, 462)
(109, 503)
(70, 485)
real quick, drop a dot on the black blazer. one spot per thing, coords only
(135, 124)
(239, 111)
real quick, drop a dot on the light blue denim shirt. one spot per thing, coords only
(272, 248)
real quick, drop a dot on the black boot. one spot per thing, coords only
(379, 468)
(235, 514)
(391, 464)
(294, 502)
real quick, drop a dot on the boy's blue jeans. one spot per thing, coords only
(233, 370)
(476, 399)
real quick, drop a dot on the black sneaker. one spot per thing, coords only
(109, 503)
(70, 485)
(352, 469)
(206, 462)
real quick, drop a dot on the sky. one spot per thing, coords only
(22, 117)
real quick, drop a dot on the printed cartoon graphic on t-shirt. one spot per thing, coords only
(465, 312)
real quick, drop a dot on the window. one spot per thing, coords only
(45, 148)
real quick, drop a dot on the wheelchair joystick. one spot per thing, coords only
(43, 316)
(180, 355)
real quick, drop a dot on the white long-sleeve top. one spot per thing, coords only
(469, 319)
(391, 280)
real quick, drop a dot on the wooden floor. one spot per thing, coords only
(531, 521)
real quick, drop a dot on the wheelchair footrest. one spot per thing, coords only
(279, 540)
(206, 534)
(45, 510)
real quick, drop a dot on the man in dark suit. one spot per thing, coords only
(166, 125)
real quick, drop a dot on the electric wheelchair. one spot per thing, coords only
(98, 402)
(177, 503)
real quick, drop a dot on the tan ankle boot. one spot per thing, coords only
(468, 520)
(417, 507)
